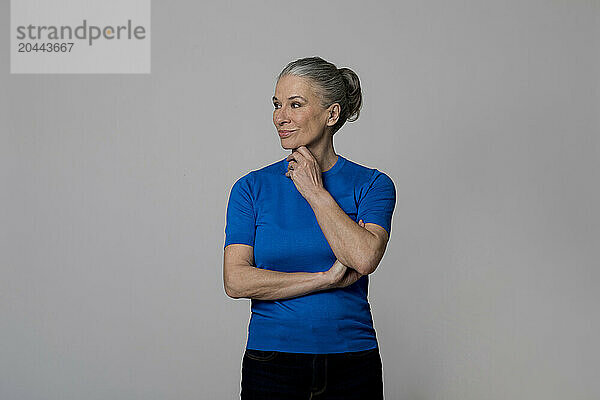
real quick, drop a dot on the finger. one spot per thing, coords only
(295, 156)
(305, 152)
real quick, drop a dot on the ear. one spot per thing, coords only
(333, 114)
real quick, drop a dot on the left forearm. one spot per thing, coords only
(353, 245)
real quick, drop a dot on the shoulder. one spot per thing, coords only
(244, 182)
(254, 176)
(366, 175)
(274, 168)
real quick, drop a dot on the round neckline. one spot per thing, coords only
(335, 168)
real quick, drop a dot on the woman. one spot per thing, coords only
(302, 236)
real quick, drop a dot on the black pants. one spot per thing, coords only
(278, 375)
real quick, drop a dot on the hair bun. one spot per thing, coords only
(353, 93)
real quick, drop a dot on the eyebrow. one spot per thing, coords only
(291, 98)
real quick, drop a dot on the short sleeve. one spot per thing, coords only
(377, 201)
(240, 224)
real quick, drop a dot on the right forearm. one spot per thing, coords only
(263, 284)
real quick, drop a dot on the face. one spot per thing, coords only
(299, 117)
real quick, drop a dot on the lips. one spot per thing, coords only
(285, 133)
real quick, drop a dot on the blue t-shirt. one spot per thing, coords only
(266, 211)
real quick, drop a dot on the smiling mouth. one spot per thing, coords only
(285, 133)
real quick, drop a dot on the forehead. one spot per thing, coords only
(290, 85)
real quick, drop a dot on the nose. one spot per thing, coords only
(280, 116)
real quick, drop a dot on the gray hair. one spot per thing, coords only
(334, 85)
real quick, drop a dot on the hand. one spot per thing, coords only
(342, 276)
(305, 172)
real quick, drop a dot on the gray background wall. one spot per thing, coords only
(485, 114)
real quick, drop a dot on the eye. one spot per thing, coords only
(295, 104)
(276, 105)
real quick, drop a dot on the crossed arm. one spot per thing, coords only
(243, 280)
(358, 248)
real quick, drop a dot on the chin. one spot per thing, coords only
(288, 145)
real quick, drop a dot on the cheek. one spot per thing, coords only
(316, 121)
(303, 118)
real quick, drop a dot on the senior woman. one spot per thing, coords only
(301, 237)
